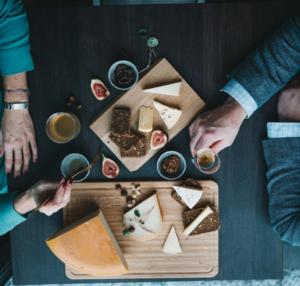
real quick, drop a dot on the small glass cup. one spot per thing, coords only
(62, 127)
(207, 161)
(73, 163)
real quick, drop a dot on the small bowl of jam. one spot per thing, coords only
(171, 165)
(123, 75)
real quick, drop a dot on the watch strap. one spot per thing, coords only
(16, 105)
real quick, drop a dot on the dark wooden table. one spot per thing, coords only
(204, 42)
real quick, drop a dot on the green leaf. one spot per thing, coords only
(143, 32)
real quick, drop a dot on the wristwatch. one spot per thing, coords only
(16, 105)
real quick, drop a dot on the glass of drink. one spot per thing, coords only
(207, 161)
(62, 127)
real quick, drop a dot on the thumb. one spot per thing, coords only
(218, 146)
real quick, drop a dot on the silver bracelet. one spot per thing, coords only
(22, 90)
(16, 105)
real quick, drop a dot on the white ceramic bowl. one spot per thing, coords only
(112, 69)
(182, 167)
(72, 163)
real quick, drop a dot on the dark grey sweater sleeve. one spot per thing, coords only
(273, 64)
(283, 160)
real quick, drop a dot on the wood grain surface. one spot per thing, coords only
(145, 259)
(161, 73)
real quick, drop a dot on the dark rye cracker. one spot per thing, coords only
(210, 223)
(136, 150)
(124, 141)
(120, 120)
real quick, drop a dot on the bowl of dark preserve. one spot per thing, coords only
(171, 165)
(122, 75)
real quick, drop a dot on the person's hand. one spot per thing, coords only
(19, 138)
(217, 128)
(38, 193)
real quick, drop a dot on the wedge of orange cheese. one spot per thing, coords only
(89, 247)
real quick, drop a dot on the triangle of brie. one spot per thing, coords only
(190, 196)
(172, 245)
(169, 115)
(172, 89)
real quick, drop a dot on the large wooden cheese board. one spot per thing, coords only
(146, 259)
(162, 72)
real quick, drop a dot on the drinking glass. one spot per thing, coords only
(207, 161)
(62, 127)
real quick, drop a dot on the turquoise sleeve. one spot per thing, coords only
(15, 54)
(9, 217)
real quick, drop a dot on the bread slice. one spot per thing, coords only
(210, 223)
(89, 247)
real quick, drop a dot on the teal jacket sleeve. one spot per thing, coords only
(9, 217)
(15, 54)
(273, 64)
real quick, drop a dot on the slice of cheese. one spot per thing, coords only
(149, 222)
(169, 115)
(89, 247)
(204, 214)
(172, 89)
(146, 119)
(172, 245)
(190, 196)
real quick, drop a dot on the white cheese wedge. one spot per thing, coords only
(190, 196)
(200, 218)
(169, 115)
(172, 245)
(146, 119)
(149, 222)
(172, 89)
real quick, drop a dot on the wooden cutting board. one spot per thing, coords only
(162, 73)
(146, 259)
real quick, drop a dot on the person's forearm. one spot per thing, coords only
(272, 65)
(15, 87)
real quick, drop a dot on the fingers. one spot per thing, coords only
(60, 200)
(26, 157)
(33, 146)
(205, 141)
(47, 185)
(194, 140)
(218, 146)
(8, 151)
(17, 162)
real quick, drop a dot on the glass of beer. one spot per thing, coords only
(62, 127)
(207, 161)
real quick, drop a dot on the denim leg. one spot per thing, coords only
(283, 161)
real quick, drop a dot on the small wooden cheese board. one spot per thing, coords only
(145, 259)
(162, 72)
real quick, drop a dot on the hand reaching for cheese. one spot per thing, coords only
(217, 128)
(34, 196)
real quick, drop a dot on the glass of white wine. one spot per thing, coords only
(207, 161)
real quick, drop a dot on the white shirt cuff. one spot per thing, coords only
(241, 95)
(283, 129)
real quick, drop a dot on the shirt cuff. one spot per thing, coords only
(283, 129)
(241, 95)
